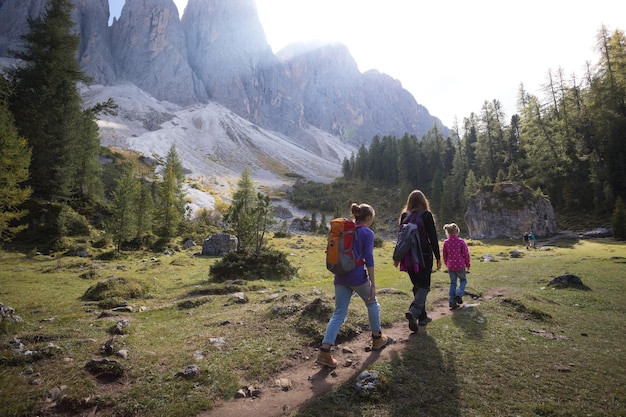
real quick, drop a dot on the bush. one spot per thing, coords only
(269, 264)
(618, 221)
(70, 223)
(114, 288)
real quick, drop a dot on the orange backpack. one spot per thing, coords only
(340, 256)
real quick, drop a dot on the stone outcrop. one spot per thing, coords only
(219, 244)
(508, 211)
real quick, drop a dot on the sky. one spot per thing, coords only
(451, 55)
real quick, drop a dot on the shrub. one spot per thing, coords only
(269, 264)
(70, 223)
(114, 288)
(618, 221)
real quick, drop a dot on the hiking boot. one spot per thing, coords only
(424, 321)
(379, 341)
(454, 306)
(325, 359)
(412, 323)
(458, 299)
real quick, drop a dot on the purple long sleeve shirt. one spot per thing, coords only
(364, 249)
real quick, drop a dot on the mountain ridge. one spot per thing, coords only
(311, 101)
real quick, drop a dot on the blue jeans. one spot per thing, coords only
(454, 275)
(343, 294)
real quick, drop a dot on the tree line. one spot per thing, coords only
(569, 143)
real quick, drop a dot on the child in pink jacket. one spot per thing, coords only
(457, 259)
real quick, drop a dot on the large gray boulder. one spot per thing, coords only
(219, 244)
(508, 211)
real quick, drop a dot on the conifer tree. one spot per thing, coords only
(240, 215)
(264, 213)
(323, 227)
(171, 203)
(313, 224)
(14, 162)
(145, 212)
(618, 220)
(122, 222)
(47, 108)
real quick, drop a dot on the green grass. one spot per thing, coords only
(534, 351)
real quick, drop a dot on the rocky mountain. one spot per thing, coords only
(218, 52)
(213, 143)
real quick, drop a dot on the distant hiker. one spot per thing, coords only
(456, 256)
(417, 210)
(360, 280)
(527, 239)
(532, 239)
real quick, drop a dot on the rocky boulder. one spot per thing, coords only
(508, 210)
(219, 244)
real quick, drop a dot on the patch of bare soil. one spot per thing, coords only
(305, 381)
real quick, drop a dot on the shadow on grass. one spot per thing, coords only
(471, 321)
(419, 381)
(423, 381)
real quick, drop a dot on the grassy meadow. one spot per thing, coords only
(533, 350)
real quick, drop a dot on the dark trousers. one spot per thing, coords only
(421, 287)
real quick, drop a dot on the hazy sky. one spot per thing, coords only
(451, 55)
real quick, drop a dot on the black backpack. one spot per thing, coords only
(409, 240)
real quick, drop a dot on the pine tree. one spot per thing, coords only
(171, 203)
(145, 212)
(323, 226)
(47, 108)
(240, 215)
(122, 223)
(618, 220)
(313, 223)
(264, 211)
(14, 162)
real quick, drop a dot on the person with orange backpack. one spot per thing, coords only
(352, 238)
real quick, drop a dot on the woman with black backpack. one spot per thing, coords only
(417, 210)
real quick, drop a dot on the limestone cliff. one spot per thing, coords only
(94, 54)
(148, 45)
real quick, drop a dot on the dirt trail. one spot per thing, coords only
(307, 380)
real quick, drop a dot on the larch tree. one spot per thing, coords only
(609, 107)
(240, 215)
(122, 223)
(171, 203)
(264, 216)
(14, 163)
(145, 212)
